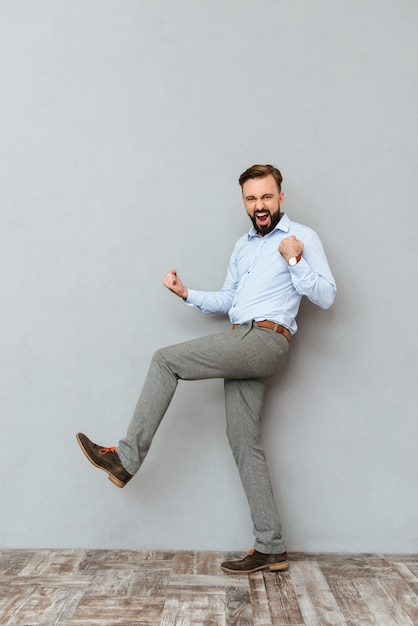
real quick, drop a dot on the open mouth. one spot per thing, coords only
(262, 217)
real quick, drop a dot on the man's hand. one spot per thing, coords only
(290, 247)
(174, 284)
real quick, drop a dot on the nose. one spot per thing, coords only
(259, 204)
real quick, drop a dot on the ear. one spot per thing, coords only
(281, 198)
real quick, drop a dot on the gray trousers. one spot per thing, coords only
(245, 358)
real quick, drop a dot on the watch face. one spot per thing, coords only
(293, 260)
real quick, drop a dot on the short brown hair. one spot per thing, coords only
(260, 171)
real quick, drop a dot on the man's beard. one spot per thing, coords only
(265, 230)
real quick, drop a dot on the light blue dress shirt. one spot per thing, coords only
(260, 285)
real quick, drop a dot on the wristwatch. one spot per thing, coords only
(294, 260)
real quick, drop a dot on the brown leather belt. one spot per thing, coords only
(278, 328)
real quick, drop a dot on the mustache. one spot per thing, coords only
(274, 220)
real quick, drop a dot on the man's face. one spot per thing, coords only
(262, 201)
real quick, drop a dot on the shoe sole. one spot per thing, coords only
(113, 479)
(272, 567)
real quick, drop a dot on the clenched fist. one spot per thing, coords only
(174, 284)
(290, 247)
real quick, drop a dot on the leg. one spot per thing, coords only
(243, 401)
(236, 354)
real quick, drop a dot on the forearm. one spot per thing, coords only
(209, 301)
(320, 289)
(312, 276)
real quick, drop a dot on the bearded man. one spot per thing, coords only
(271, 268)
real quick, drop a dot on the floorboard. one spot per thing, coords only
(187, 588)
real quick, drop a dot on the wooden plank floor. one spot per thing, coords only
(133, 588)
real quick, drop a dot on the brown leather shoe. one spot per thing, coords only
(106, 459)
(255, 561)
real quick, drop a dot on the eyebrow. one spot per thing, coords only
(268, 193)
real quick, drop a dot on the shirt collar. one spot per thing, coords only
(283, 225)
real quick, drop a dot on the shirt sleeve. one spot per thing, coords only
(312, 277)
(216, 301)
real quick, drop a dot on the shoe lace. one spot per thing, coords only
(106, 450)
(251, 552)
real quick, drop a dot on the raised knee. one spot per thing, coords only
(160, 356)
(162, 361)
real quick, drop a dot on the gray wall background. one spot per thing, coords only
(124, 128)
